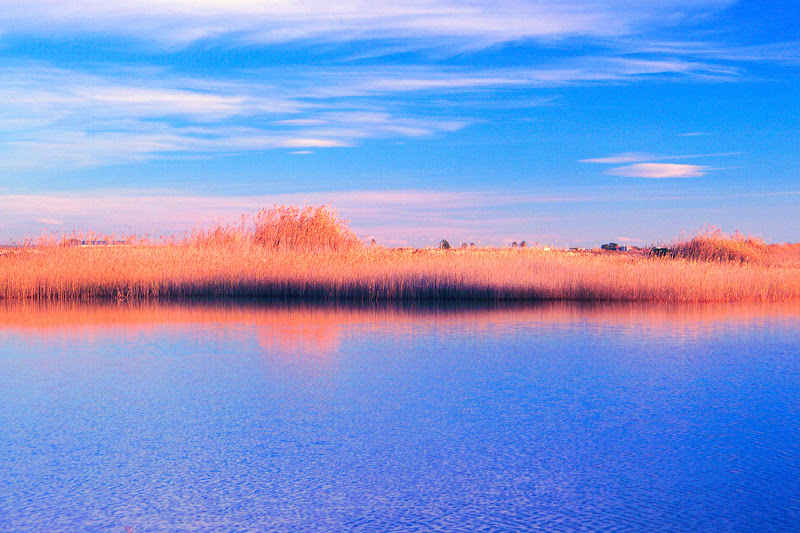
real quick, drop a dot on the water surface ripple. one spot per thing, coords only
(295, 417)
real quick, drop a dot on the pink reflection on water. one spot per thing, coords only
(318, 330)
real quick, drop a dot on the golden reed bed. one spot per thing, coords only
(309, 253)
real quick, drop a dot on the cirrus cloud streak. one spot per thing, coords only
(658, 171)
(178, 22)
(63, 118)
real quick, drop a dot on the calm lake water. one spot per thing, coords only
(291, 417)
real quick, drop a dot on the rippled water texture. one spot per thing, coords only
(244, 417)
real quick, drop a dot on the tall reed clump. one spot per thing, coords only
(284, 228)
(307, 229)
(714, 245)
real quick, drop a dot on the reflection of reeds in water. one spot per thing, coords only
(309, 340)
(309, 253)
(308, 327)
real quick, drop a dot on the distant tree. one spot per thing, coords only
(472, 245)
(514, 244)
(523, 244)
(463, 245)
(444, 245)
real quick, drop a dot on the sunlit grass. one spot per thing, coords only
(287, 251)
(714, 245)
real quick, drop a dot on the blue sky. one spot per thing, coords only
(561, 122)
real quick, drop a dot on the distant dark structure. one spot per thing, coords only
(444, 245)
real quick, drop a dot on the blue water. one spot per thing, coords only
(555, 417)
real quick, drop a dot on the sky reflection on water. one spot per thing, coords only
(553, 416)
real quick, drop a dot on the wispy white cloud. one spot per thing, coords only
(658, 170)
(61, 118)
(593, 69)
(56, 117)
(301, 122)
(50, 221)
(646, 166)
(52, 91)
(783, 52)
(445, 82)
(178, 22)
(306, 142)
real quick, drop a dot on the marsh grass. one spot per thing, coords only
(310, 253)
(714, 245)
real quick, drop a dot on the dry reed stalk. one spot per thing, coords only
(185, 271)
(311, 253)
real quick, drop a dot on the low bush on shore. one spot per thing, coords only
(311, 253)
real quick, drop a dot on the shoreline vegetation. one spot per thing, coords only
(310, 253)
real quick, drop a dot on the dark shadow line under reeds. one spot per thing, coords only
(353, 292)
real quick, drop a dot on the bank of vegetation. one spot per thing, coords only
(310, 253)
